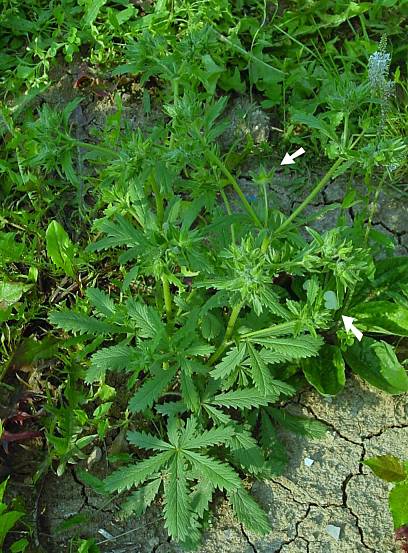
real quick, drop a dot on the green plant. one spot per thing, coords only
(392, 469)
(8, 519)
(234, 317)
(210, 319)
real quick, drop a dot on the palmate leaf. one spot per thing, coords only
(137, 503)
(260, 373)
(300, 425)
(133, 475)
(218, 435)
(147, 441)
(246, 451)
(177, 501)
(220, 474)
(217, 415)
(248, 512)
(151, 390)
(244, 399)
(146, 318)
(277, 456)
(101, 301)
(292, 348)
(84, 324)
(189, 392)
(201, 496)
(230, 361)
(119, 233)
(119, 357)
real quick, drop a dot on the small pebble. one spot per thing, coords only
(308, 462)
(333, 531)
(105, 534)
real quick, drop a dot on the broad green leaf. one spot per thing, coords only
(137, 503)
(315, 123)
(8, 520)
(244, 399)
(84, 324)
(147, 441)
(389, 273)
(119, 357)
(11, 292)
(220, 474)
(376, 362)
(387, 467)
(90, 480)
(59, 247)
(101, 301)
(146, 319)
(151, 390)
(326, 372)
(177, 506)
(248, 512)
(330, 299)
(384, 317)
(3, 486)
(398, 501)
(133, 475)
(353, 9)
(92, 9)
(299, 425)
(229, 363)
(20, 546)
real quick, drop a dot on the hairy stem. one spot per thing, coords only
(167, 296)
(373, 207)
(159, 202)
(228, 208)
(213, 158)
(319, 186)
(230, 327)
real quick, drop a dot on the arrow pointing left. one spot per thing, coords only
(289, 159)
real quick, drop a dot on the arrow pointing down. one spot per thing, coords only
(289, 159)
(348, 325)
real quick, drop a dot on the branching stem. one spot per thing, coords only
(319, 186)
(230, 327)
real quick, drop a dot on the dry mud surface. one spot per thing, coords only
(334, 505)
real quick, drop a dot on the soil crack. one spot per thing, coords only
(247, 539)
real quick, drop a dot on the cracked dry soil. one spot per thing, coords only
(337, 490)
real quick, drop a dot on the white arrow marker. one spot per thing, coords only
(348, 325)
(289, 159)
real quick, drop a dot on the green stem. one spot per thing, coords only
(212, 158)
(167, 297)
(228, 208)
(230, 327)
(90, 146)
(275, 330)
(345, 130)
(319, 186)
(159, 202)
(373, 207)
